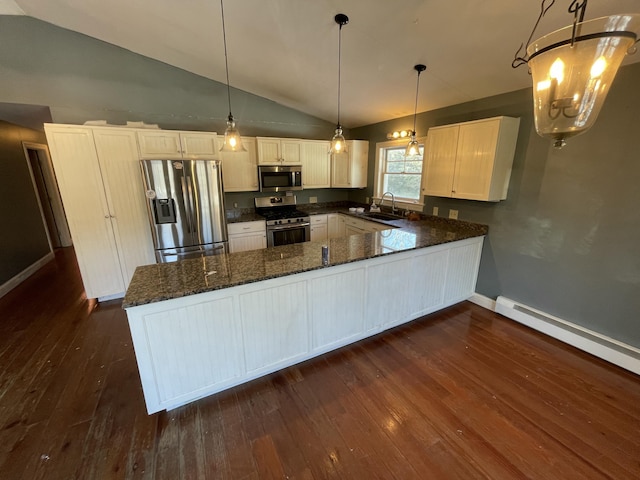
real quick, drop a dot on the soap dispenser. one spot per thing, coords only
(374, 207)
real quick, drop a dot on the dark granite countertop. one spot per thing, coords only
(154, 283)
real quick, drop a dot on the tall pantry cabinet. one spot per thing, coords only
(99, 177)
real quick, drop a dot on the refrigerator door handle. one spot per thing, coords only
(186, 193)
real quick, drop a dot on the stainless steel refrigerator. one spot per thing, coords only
(186, 208)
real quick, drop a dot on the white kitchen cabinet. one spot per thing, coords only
(239, 169)
(278, 151)
(471, 160)
(245, 236)
(101, 187)
(336, 224)
(316, 163)
(177, 144)
(319, 228)
(349, 170)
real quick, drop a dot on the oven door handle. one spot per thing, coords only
(288, 226)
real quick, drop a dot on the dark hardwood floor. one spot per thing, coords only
(463, 393)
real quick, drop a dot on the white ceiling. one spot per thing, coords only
(287, 50)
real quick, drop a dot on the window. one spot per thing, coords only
(398, 174)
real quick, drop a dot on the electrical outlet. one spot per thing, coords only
(313, 199)
(435, 211)
(366, 200)
(235, 204)
(453, 214)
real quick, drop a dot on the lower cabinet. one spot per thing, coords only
(319, 228)
(336, 223)
(194, 346)
(245, 236)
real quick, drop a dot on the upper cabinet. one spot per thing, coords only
(278, 151)
(175, 144)
(316, 163)
(471, 160)
(349, 170)
(239, 169)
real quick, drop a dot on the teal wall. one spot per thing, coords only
(23, 238)
(80, 78)
(567, 239)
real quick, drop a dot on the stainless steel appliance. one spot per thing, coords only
(285, 223)
(186, 208)
(280, 178)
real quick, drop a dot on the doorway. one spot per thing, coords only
(46, 186)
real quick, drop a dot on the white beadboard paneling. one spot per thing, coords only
(401, 289)
(337, 307)
(194, 347)
(462, 272)
(274, 324)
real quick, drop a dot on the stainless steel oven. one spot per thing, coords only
(288, 233)
(285, 224)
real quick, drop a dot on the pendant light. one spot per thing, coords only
(413, 148)
(232, 140)
(338, 143)
(573, 68)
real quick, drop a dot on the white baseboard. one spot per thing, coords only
(607, 348)
(12, 283)
(485, 302)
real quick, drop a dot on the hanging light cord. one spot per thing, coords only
(415, 110)
(339, 64)
(226, 61)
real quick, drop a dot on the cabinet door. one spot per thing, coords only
(247, 241)
(336, 224)
(199, 145)
(474, 160)
(268, 150)
(319, 232)
(118, 156)
(340, 170)
(240, 169)
(81, 186)
(290, 149)
(440, 158)
(160, 144)
(316, 163)
(359, 161)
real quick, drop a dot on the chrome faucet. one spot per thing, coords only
(393, 201)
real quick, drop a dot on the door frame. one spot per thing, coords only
(53, 192)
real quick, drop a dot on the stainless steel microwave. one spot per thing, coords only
(280, 178)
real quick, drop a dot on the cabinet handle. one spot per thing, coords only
(106, 216)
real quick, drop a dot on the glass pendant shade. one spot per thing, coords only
(232, 140)
(413, 148)
(338, 143)
(570, 82)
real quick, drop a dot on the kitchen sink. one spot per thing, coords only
(381, 216)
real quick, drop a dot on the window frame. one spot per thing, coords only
(381, 147)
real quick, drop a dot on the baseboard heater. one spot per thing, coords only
(601, 346)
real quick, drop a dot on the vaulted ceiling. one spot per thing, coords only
(287, 50)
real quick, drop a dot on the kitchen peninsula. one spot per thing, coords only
(200, 326)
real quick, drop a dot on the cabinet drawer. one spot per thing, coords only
(318, 219)
(246, 227)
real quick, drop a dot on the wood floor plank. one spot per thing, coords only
(460, 394)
